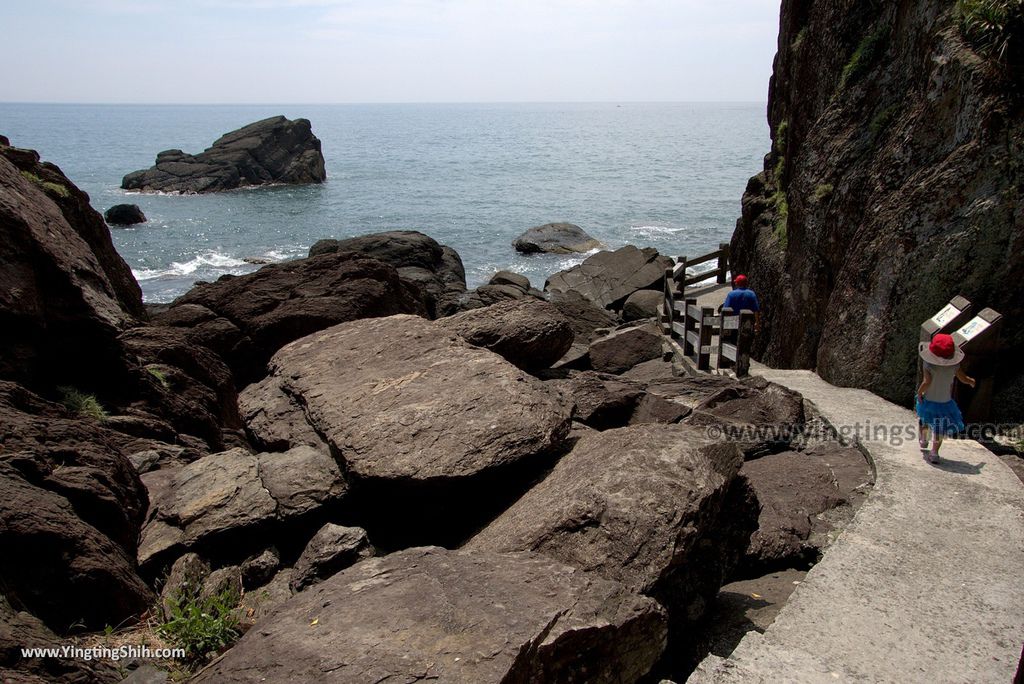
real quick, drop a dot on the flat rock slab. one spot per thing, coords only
(226, 494)
(656, 507)
(608, 278)
(400, 399)
(802, 495)
(530, 333)
(761, 416)
(452, 616)
(585, 317)
(626, 348)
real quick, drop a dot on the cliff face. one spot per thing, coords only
(893, 183)
(65, 293)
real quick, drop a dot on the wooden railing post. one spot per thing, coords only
(727, 330)
(723, 262)
(744, 342)
(680, 280)
(689, 328)
(707, 327)
(668, 303)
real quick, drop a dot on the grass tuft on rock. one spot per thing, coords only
(203, 627)
(995, 28)
(160, 376)
(55, 188)
(81, 403)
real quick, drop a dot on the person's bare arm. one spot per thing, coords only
(965, 378)
(925, 384)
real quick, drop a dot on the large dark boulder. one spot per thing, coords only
(65, 293)
(59, 567)
(608, 278)
(436, 269)
(530, 333)
(555, 238)
(19, 629)
(67, 299)
(659, 508)
(248, 318)
(423, 422)
(267, 152)
(187, 385)
(124, 215)
(75, 457)
(453, 616)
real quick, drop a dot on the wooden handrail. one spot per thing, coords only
(710, 256)
(696, 326)
(683, 263)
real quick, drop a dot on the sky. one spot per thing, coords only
(340, 51)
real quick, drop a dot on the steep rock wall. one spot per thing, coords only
(893, 183)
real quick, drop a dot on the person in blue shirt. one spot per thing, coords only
(743, 298)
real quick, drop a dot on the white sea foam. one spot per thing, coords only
(655, 231)
(279, 254)
(213, 261)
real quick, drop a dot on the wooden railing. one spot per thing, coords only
(697, 326)
(735, 338)
(720, 273)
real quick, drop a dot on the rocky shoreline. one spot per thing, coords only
(500, 484)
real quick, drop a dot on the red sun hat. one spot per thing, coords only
(740, 280)
(941, 351)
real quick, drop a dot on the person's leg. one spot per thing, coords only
(935, 446)
(922, 435)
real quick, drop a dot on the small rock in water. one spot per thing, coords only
(555, 238)
(124, 215)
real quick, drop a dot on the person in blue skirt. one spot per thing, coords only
(937, 412)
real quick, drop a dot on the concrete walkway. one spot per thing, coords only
(926, 584)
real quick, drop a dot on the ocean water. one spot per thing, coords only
(669, 176)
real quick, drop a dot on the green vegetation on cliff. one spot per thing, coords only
(55, 188)
(994, 27)
(870, 48)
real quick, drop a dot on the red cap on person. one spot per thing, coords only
(740, 280)
(943, 346)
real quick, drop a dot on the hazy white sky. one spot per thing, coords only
(314, 51)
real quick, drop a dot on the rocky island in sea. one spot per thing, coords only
(268, 152)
